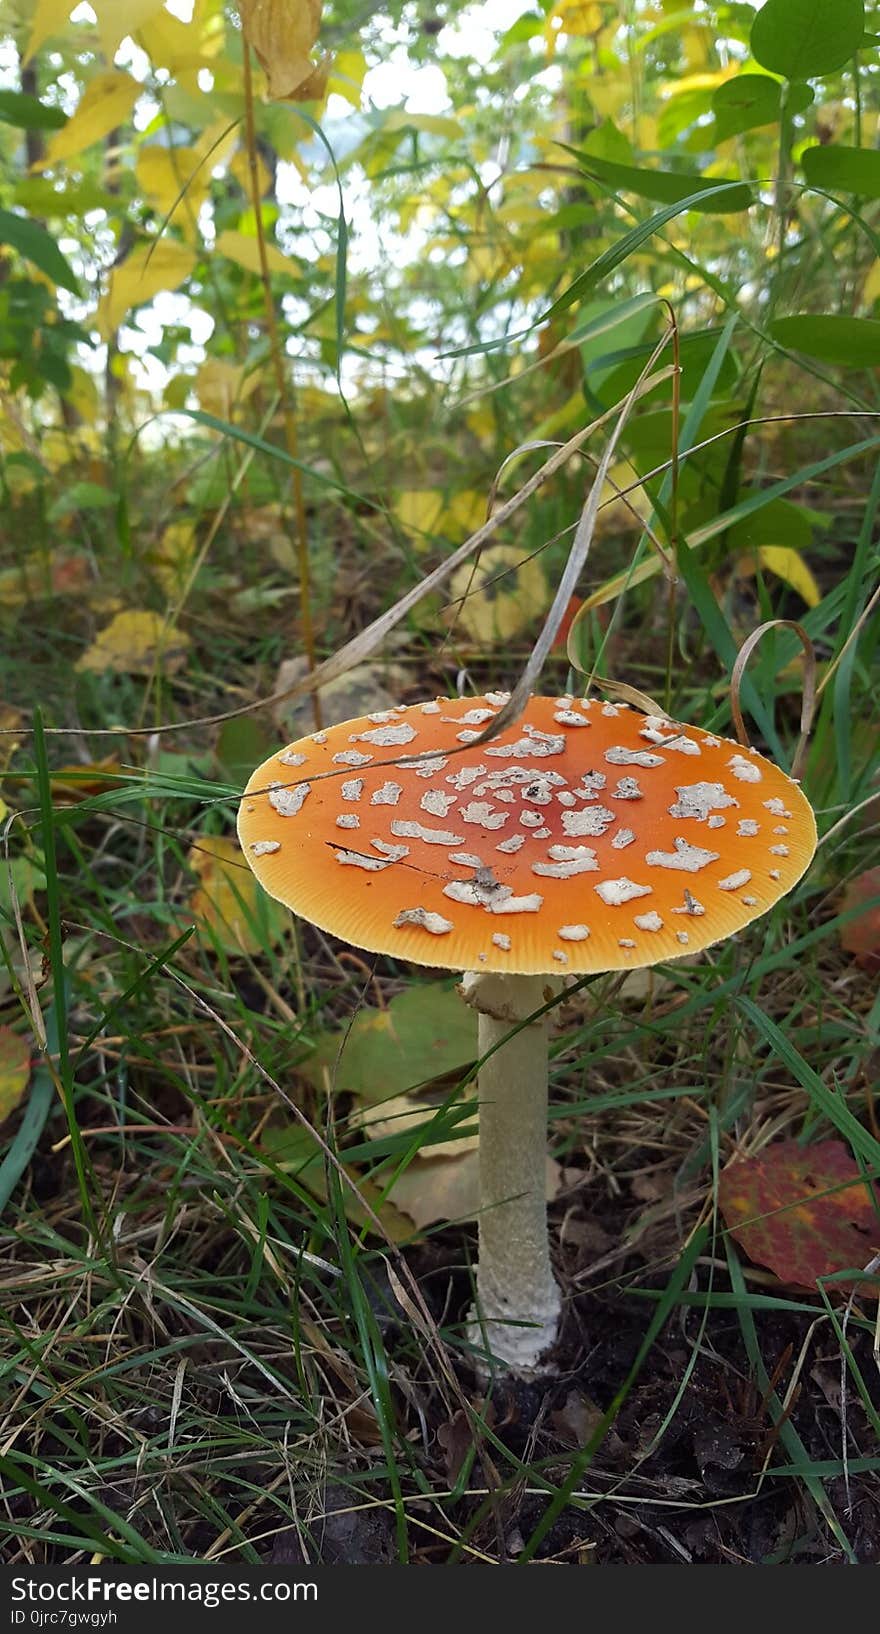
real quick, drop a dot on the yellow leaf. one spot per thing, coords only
(106, 102)
(161, 264)
(10, 720)
(424, 510)
(135, 644)
(347, 76)
(282, 33)
(239, 167)
(221, 386)
(450, 1189)
(15, 1070)
(871, 286)
(572, 17)
(174, 557)
(227, 904)
(82, 393)
(504, 595)
(245, 252)
(400, 1114)
(50, 18)
(184, 48)
(789, 565)
(173, 176)
(116, 20)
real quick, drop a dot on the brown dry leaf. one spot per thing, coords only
(282, 33)
(34, 579)
(228, 905)
(82, 779)
(861, 936)
(15, 1070)
(135, 644)
(449, 1189)
(314, 88)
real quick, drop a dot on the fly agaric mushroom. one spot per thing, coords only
(586, 838)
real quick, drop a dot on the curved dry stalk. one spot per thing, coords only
(808, 696)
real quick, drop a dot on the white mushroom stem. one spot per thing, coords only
(518, 1299)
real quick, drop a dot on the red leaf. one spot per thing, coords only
(862, 935)
(804, 1211)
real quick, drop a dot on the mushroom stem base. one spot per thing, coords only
(518, 1300)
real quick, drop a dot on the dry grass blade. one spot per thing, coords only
(808, 695)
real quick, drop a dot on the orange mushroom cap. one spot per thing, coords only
(587, 837)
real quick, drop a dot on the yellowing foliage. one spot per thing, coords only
(174, 176)
(221, 386)
(239, 167)
(174, 556)
(106, 102)
(50, 18)
(119, 18)
(161, 264)
(245, 252)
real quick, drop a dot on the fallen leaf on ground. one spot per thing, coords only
(402, 1114)
(135, 644)
(427, 511)
(15, 1070)
(803, 1211)
(450, 1189)
(35, 579)
(425, 1033)
(228, 905)
(861, 936)
(85, 778)
(503, 595)
(296, 1151)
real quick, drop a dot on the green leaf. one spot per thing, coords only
(667, 187)
(850, 170)
(426, 1033)
(751, 100)
(82, 496)
(854, 343)
(29, 113)
(35, 244)
(804, 39)
(241, 745)
(778, 522)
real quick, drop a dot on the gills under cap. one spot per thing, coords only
(587, 837)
